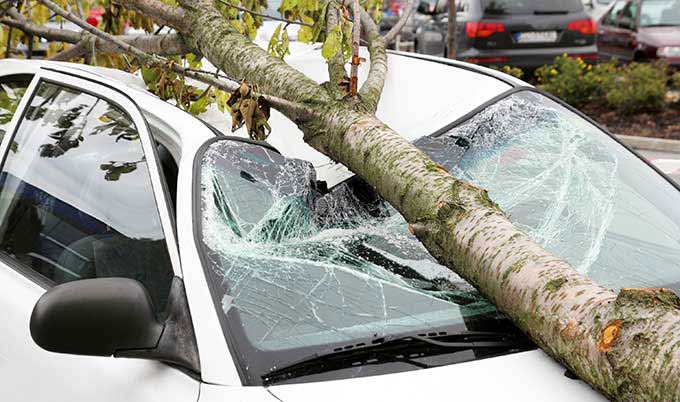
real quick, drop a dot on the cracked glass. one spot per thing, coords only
(299, 270)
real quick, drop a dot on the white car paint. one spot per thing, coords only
(413, 107)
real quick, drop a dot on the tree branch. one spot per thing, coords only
(356, 37)
(372, 88)
(391, 35)
(337, 75)
(238, 56)
(169, 45)
(76, 51)
(161, 13)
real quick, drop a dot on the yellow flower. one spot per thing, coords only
(590, 67)
(553, 72)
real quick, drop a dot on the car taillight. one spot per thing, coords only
(585, 26)
(483, 29)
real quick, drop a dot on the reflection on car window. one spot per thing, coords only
(75, 196)
(11, 93)
(302, 271)
(571, 188)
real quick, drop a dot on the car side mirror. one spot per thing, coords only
(424, 8)
(95, 317)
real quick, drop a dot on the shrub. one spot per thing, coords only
(565, 79)
(676, 80)
(638, 87)
(514, 71)
(630, 88)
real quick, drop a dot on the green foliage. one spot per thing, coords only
(171, 86)
(639, 87)
(333, 43)
(565, 79)
(634, 87)
(676, 80)
(279, 42)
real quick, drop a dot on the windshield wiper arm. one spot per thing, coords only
(403, 349)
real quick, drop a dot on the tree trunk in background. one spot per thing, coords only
(451, 46)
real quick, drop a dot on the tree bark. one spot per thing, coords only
(451, 44)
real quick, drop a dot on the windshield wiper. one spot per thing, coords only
(402, 349)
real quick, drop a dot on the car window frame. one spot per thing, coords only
(605, 18)
(123, 101)
(634, 19)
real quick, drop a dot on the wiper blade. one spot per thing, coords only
(403, 349)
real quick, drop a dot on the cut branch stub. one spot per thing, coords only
(249, 109)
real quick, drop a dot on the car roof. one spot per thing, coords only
(422, 95)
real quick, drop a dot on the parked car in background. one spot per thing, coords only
(641, 30)
(596, 8)
(526, 33)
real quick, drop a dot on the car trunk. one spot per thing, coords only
(531, 24)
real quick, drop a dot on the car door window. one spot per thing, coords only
(628, 16)
(76, 199)
(611, 19)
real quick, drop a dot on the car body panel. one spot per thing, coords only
(510, 377)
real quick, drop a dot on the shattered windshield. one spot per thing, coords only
(299, 270)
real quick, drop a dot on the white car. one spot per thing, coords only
(145, 256)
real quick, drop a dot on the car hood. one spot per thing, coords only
(660, 36)
(528, 376)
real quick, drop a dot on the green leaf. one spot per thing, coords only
(251, 29)
(150, 77)
(274, 40)
(305, 34)
(193, 61)
(199, 106)
(333, 43)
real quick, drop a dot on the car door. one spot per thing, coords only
(80, 197)
(624, 47)
(609, 31)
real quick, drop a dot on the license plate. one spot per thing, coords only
(536, 37)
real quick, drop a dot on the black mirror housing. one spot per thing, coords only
(95, 317)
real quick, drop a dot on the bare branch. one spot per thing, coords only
(373, 86)
(356, 37)
(337, 75)
(168, 45)
(391, 35)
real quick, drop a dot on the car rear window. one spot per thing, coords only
(531, 6)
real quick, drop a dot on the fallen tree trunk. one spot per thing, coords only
(624, 345)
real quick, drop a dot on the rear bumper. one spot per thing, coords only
(526, 58)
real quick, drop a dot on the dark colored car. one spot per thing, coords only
(522, 33)
(641, 30)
